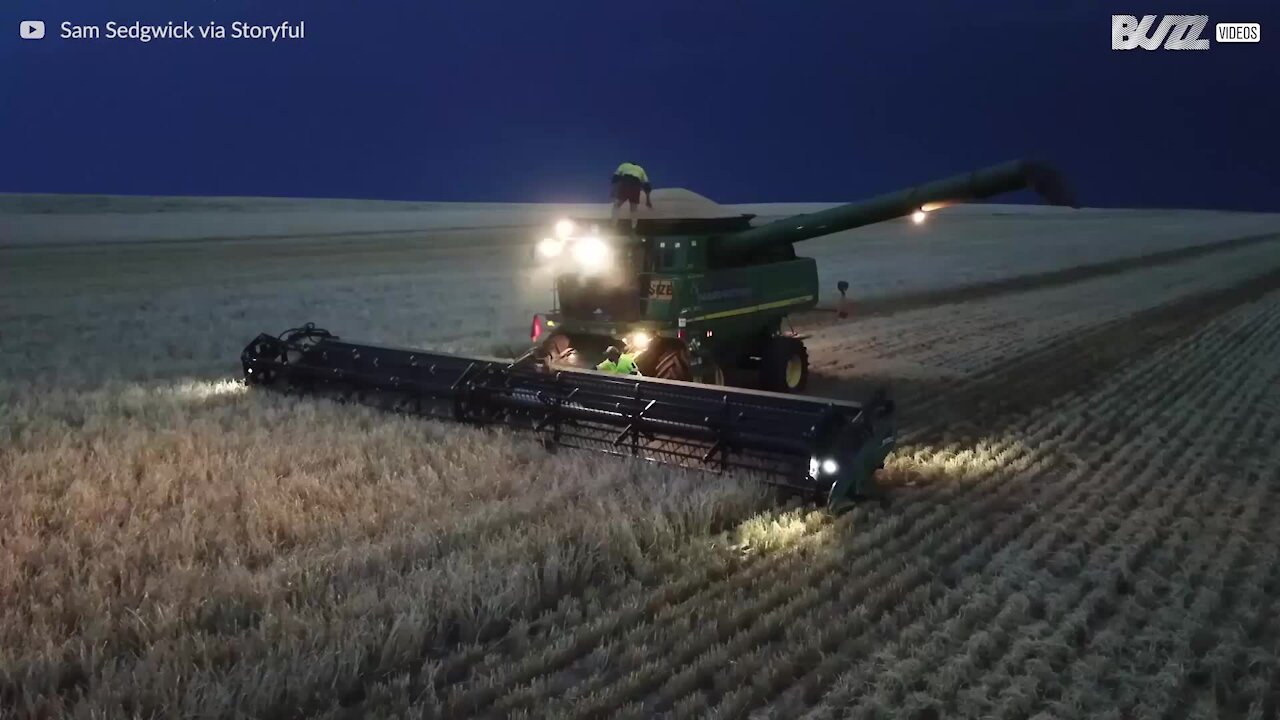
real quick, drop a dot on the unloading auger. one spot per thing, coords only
(825, 449)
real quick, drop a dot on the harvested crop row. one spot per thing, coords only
(966, 245)
(965, 339)
(627, 601)
(973, 599)
(1064, 628)
(662, 654)
(1095, 406)
(188, 309)
(817, 569)
(497, 682)
(897, 303)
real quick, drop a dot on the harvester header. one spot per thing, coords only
(824, 449)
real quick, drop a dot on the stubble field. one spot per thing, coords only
(1082, 523)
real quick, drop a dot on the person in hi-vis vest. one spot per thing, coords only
(628, 181)
(618, 362)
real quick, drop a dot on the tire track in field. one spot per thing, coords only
(995, 597)
(892, 304)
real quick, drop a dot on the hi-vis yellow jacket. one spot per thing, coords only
(626, 365)
(633, 170)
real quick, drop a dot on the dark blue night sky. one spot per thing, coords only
(740, 100)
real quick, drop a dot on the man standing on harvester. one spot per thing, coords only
(628, 180)
(618, 362)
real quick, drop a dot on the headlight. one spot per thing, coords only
(639, 340)
(917, 217)
(591, 253)
(550, 247)
(828, 467)
(565, 228)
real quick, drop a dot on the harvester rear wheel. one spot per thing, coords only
(671, 362)
(784, 367)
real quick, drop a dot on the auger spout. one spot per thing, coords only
(994, 180)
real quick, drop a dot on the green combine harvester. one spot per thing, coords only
(697, 299)
(693, 298)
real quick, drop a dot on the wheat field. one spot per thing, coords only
(1081, 525)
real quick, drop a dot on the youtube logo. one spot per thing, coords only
(31, 29)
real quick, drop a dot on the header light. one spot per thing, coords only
(917, 217)
(828, 467)
(565, 228)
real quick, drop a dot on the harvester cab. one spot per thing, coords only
(705, 298)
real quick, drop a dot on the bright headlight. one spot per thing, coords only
(550, 247)
(828, 467)
(565, 228)
(639, 340)
(917, 217)
(591, 253)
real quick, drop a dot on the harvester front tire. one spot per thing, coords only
(673, 363)
(784, 367)
(559, 350)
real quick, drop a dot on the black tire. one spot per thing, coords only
(712, 373)
(778, 371)
(671, 362)
(559, 350)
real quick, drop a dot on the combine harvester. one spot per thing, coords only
(692, 297)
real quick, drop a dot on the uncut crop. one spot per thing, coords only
(198, 548)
